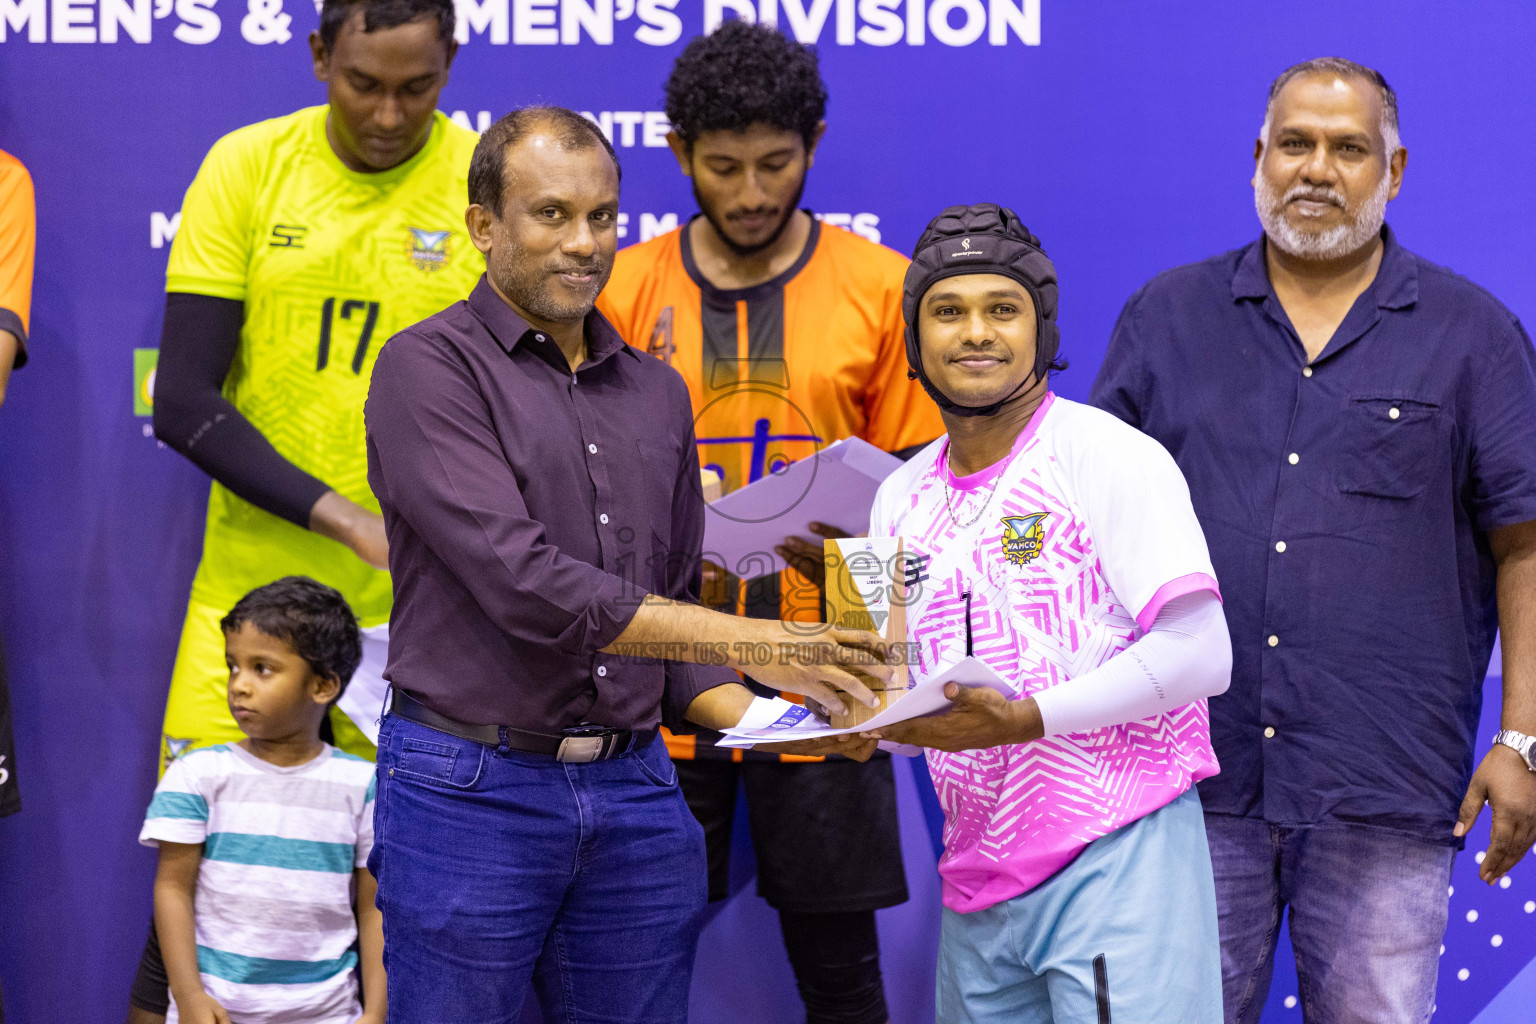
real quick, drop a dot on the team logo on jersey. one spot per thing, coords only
(1023, 537)
(429, 251)
(174, 748)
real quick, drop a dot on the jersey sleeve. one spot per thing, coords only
(211, 252)
(18, 244)
(1137, 506)
(900, 414)
(179, 811)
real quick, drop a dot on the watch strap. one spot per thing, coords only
(1520, 743)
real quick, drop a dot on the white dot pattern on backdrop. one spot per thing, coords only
(1479, 956)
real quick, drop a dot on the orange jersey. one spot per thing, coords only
(778, 371)
(18, 239)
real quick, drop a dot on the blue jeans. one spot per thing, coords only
(1368, 910)
(496, 868)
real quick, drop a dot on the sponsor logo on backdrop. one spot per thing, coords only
(552, 22)
(144, 362)
(162, 230)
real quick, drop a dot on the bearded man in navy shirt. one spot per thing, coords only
(1358, 429)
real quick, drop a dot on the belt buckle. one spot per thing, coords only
(581, 749)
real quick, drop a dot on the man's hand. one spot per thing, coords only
(980, 717)
(825, 665)
(345, 521)
(808, 557)
(1509, 787)
(722, 706)
(849, 745)
(201, 1008)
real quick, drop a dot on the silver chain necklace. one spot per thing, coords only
(949, 506)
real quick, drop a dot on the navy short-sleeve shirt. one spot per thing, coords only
(1347, 504)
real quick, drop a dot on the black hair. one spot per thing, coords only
(379, 14)
(312, 618)
(743, 74)
(487, 167)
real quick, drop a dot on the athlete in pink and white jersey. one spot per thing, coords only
(1059, 546)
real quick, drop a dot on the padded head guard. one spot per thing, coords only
(981, 239)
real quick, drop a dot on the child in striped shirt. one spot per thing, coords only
(263, 903)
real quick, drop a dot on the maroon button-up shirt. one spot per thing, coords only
(529, 510)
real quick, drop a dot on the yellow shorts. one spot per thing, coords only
(197, 710)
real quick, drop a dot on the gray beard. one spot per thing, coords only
(1336, 242)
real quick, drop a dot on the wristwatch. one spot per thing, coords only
(1520, 743)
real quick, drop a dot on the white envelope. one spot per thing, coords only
(784, 722)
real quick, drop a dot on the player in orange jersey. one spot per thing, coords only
(788, 333)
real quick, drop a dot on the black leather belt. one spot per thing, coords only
(578, 744)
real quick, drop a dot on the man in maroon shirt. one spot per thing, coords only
(540, 489)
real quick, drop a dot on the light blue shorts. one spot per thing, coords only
(1125, 934)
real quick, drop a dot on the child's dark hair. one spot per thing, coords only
(743, 74)
(312, 618)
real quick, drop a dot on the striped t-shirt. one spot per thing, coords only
(276, 933)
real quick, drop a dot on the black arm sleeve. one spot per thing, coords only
(197, 347)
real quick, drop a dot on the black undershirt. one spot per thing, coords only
(197, 348)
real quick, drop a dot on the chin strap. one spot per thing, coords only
(954, 408)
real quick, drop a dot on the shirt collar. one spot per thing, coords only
(1396, 285)
(510, 330)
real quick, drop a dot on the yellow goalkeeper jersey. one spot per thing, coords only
(329, 263)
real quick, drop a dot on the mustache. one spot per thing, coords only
(590, 267)
(759, 211)
(1316, 194)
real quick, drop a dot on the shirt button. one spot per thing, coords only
(1269, 732)
(1394, 413)
(1306, 371)
(1293, 458)
(603, 518)
(1280, 546)
(592, 448)
(539, 337)
(1274, 641)
(602, 670)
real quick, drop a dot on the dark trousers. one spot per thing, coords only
(496, 868)
(828, 856)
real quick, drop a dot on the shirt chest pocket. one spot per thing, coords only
(1391, 446)
(657, 460)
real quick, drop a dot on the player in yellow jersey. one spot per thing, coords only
(305, 242)
(788, 332)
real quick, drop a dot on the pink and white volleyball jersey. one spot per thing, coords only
(1069, 548)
